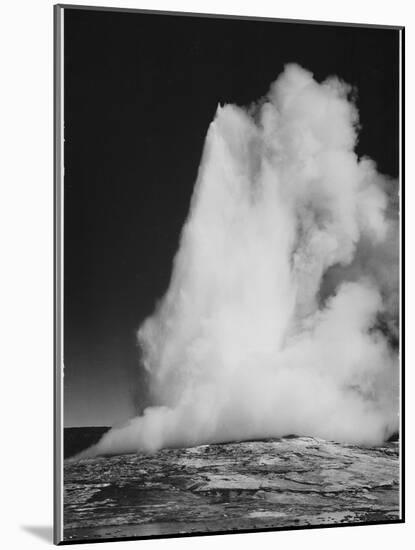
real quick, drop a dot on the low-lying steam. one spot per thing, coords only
(282, 311)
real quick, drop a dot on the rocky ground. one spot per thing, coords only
(237, 486)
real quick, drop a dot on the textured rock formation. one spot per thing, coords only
(249, 485)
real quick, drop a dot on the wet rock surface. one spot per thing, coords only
(237, 486)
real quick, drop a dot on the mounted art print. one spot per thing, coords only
(228, 203)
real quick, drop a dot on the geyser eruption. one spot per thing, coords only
(282, 311)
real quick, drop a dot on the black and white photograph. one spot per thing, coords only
(228, 282)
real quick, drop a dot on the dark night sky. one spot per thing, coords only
(140, 91)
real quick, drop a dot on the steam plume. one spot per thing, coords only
(281, 314)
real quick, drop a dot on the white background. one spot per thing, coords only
(26, 270)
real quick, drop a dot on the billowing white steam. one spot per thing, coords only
(287, 261)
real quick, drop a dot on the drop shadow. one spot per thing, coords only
(43, 532)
